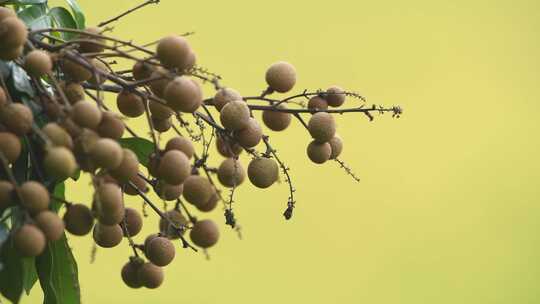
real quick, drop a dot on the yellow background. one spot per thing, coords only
(448, 207)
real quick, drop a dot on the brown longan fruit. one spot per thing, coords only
(160, 251)
(108, 204)
(281, 77)
(168, 230)
(83, 144)
(224, 96)
(277, 121)
(60, 163)
(129, 167)
(317, 103)
(34, 197)
(182, 144)
(57, 135)
(231, 173)
(235, 115)
(17, 118)
(174, 51)
(335, 96)
(168, 192)
(251, 135)
(10, 146)
(13, 32)
(130, 274)
(197, 190)
(29, 241)
(38, 63)
(322, 126)
(191, 61)
(86, 114)
(142, 70)
(107, 153)
(183, 94)
(8, 54)
(107, 236)
(319, 152)
(150, 275)
(211, 204)
(76, 72)
(161, 125)
(111, 126)
(159, 110)
(263, 172)
(92, 44)
(162, 80)
(6, 12)
(139, 182)
(130, 104)
(133, 222)
(3, 97)
(74, 92)
(204, 233)
(6, 195)
(336, 143)
(174, 167)
(228, 148)
(97, 78)
(50, 224)
(78, 219)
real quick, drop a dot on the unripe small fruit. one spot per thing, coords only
(74, 92)
(38, 63)
(251, 135)
(133, 222)
(13, 32)
(168, 192)
(60, 163)
(150, 275)
(183, 94)
(129, 167)
(57, 135)
(108, 204)
(263, 172)
(336, 143)
(92, 44)
(142, 70)
(34, 197)
(235, 115)
(317, 103)
(29, 241)
(322, 127)
(277, 121)
(111, 126)
(107, 154)
(50, 224)
(168, 230)
(335, 96)
(197, 190)
(130, 104)
(75, 71)
(160, 251)
(319, 152)
(17, 118)
(161, 125)
(211, 204)
(130, 274)
(281, 77)
(204, 233)
(231, 173)
(10, 146)
(107, 236)
(6, 195)
(174, 167)
(182, 144)
(228, 148)
(174, 51)
(78, 219)
(224, 96)
(159, 110)
(86, 114)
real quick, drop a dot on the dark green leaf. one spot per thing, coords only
(17, 275)
(21, 82)
(140, 146)
(78, 13)
(36, 17)
(77, 175)
(59, 191)
(63, 18)
(29, 273)
(23, 2)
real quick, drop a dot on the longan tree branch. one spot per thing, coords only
(129, 11)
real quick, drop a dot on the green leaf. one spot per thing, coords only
(63, 18)
(29, 273)
(20, 80)
(25, 2)
(17, 275)
(78, 13)
(35, 17)
(59, 191)
(140, 146)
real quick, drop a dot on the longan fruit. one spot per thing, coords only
(142, 70)
(336, 143)
(17, 118)
(34, 197)
(319, 152)
(224, 96)
(231, 173)
(322, 126)
(83, 144)
(92, 44)
(3, 98)
(29, 241)
(107, 236)
(227, 148)
(235, 115)
(191, 61)
(6, 12)
(111, 126)
(10, 146)
(277, 121)
(211, 204)
(133, 222)
(335, 96)
(13, 32)
(130, 276)
(74, 92)
(197, 190)
(162, 80)
(182, 144)
(149, 238)
(263, 172)
(130, 104)
(183, 94)
(205, 233)
(159, 110)
(50, 224)
(107, 153)
(86, 114)
(168, 192)
(57, 135)
(97, 78)
(161, 125)
(174, 51)
(139, 182)
(38, 63)
(78, 219)
(129, 167)
(317, 103)
(150, 275)
(251, 135)
(168, 230)
(160, 251)
(108, 204)
(60, 163)
(281, 77)
(75, 71)
(6, 195)
(8, 54)
(174, 167)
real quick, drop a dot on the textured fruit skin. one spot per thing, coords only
(78, 219)
(108, 204)
(169, 192)
(29, 241)
(174, 51)
(159, 111)
(183, 94)
(6, 12)
(336, 143)
(38, 63)
(224, 96)
(319, 153)
(57, 135)
(130, 275)
(204, 233)
(107, 236)
(86, 114)
(34, 197)
(142, 70)
(181, 144)
(251, 135)
(60, 163)
(133, 222)
(211, 204)
(75, 71)
(10, 146)
(111, 126)
(139, 183)
(17, 118)
(168, 230)
(174, 167)
(89, 46)
(128, 169)
(6, 195)
(150, 275)
(317, 103)
(13, 32)
(322, 127)
(334, 96)
(130, 104)
(107, 153)
(73, 91)
(263, 172)
(228, 148)
(160, 251)
(197, 190)
(281, 77)
(235, 115)
(50, 224)
(277, 121)
(162, 125)
(231, 173)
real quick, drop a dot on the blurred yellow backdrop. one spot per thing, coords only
(448, 207)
